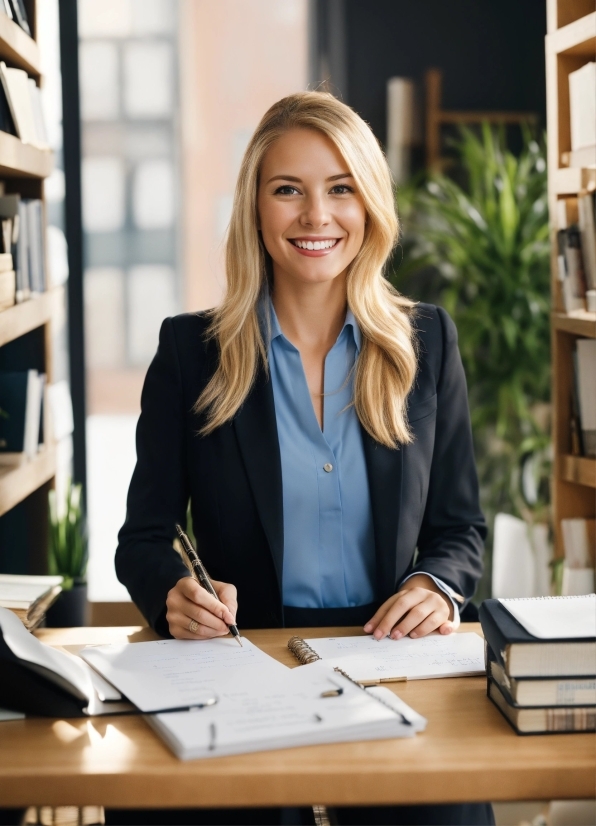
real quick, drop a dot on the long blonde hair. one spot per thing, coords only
(386, 366)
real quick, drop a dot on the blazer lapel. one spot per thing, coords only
(256, 431)
(385, 474)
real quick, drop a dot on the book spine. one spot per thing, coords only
(495, 639)
(302, 651)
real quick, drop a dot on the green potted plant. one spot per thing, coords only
(68, 554)
(477, 243)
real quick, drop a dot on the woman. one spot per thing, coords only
(316, 420)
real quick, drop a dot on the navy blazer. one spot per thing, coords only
(424, 496)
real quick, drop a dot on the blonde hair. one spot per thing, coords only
(386, 366)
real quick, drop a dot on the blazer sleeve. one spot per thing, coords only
(146, 561)
(453, 530)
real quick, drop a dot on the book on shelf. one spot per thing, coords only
(19, 14)
(541, 691)
(6, 8)
(583, 158)
(29, 597)
(582, 106)
(587, 229)
(553, 647)
(7, 289)
(6, 120)
(23, 236)
(402, 126)
(21, 422)
(579, 542)
(584, 372)
(24, 102)
(571, 269)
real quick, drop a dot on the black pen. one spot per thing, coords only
(201, 574)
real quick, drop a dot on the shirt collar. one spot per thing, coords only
(275, 330)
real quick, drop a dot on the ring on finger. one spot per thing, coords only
(193, 626)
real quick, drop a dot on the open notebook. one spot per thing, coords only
(240, 700)
(371, 661)
(303, 706)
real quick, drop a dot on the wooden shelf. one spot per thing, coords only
(21, 160)
(579, 469)
(22, 318)
(16, 483)
(572, 180)
(577, 326)
(577, 38)
(17, 48)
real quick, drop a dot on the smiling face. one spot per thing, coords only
(311, 216)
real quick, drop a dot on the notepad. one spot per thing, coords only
(371, 661)
(168, 674)
(255, 713)
(553, 618)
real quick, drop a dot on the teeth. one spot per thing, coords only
(316, 245)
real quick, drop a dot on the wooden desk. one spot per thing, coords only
(468, 753)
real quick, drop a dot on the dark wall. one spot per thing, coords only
(491, 52)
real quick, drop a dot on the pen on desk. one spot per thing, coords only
(201, 575)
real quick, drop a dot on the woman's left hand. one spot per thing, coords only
(418, 608)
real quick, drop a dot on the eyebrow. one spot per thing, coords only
(299, 180)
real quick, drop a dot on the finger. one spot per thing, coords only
(427, 626)
(228, 595)
(179, 627)
(199, 596)
(395, 612)
(414, 617)
(447, 628)
(204, 617)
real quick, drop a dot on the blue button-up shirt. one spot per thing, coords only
(329, 551)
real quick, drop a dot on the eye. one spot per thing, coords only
(286, 189)
(341, 189)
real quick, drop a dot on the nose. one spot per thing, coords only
(315, 212)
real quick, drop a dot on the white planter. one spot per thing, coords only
(521, 556)
(577, 581)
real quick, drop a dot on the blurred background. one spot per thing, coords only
(170, 92)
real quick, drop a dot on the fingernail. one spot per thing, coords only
(397, 635)
(378, 634)
(413, 634)
(368, 627)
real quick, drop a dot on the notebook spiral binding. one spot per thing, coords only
(378, 699)
(302, 651)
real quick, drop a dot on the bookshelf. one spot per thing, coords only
(570, 43)
(26, 328)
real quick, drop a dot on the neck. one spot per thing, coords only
(310, 315)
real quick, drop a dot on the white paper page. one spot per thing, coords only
(24, 589)
(366, 659)
(27, 647)
(553, 618)
(178, 673)
(256, 714)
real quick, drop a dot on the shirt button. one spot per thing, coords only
(328, 467)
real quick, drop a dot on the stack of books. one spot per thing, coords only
(541, 662)
(29, 597)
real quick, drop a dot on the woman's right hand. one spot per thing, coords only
(188, 601)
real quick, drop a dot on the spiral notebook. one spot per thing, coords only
(370, 661)
(555, 618)
(300, 707)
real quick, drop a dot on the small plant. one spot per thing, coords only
(68, 552)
